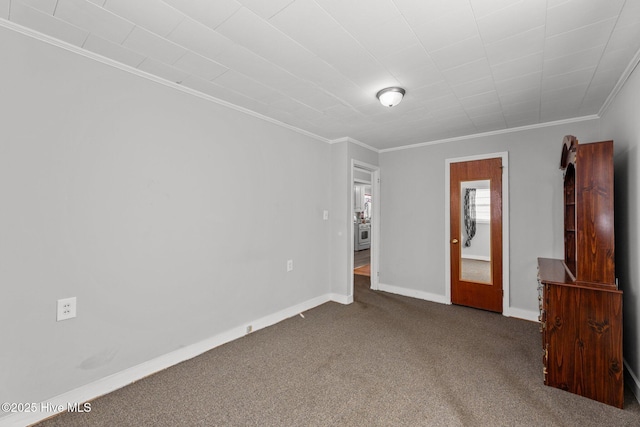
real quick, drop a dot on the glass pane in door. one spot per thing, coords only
(475, 231)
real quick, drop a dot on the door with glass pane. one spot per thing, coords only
(476, 234)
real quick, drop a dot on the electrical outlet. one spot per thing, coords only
(249, 329)
(290, 265)
(66, 308)
(325, 215)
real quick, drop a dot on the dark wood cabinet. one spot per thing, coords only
(580, 305)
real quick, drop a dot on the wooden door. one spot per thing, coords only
(476, 234)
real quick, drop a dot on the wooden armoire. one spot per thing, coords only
(580, 304)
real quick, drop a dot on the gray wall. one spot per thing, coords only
(169, 217)
(413, 194)
(621, 124)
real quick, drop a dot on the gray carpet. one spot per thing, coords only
(385, 360)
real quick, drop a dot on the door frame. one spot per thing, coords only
(504, 155)
(375, 223)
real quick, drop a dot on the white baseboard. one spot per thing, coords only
(413, 293)
(520, 314)
(123, 378)
(508, 312)
(634, 384)
(342, 299)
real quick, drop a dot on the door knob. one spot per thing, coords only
(454, 241)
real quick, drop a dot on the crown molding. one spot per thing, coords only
(621, 81)
(491, 133)
(110, 62)
(354, 141)
(127, 68)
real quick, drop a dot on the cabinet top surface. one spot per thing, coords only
(554, 272)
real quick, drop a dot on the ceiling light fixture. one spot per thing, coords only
(391, 96)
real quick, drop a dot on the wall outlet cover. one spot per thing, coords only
(66, 308)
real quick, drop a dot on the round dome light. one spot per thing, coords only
(391, 96)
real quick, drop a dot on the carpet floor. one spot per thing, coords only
(385, 360)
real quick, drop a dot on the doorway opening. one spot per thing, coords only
(365, 226)
(362, 210)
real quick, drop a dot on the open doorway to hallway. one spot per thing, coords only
(362, 262)
(362, 215)
(362, 227)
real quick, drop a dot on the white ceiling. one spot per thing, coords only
(468, 66)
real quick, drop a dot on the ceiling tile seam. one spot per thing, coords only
(374, 57)
(313, 54)
(453, 44)
(262, 84)
(40, 12)
(184, 17)
(223, 65)
(187, 50)
(140, 73)
(165, 36)
(281, 10)
(617, 17)
(546, 17)
(620, 83)
(85, 40)
(354, 38)
(228, 17)
(130, 32)
(427, 53)
(133, 27)
(424, 48)
(571, 72)
(600, 62)
(493, 12)
(133, 24)
(582, 27)
(493, 77)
